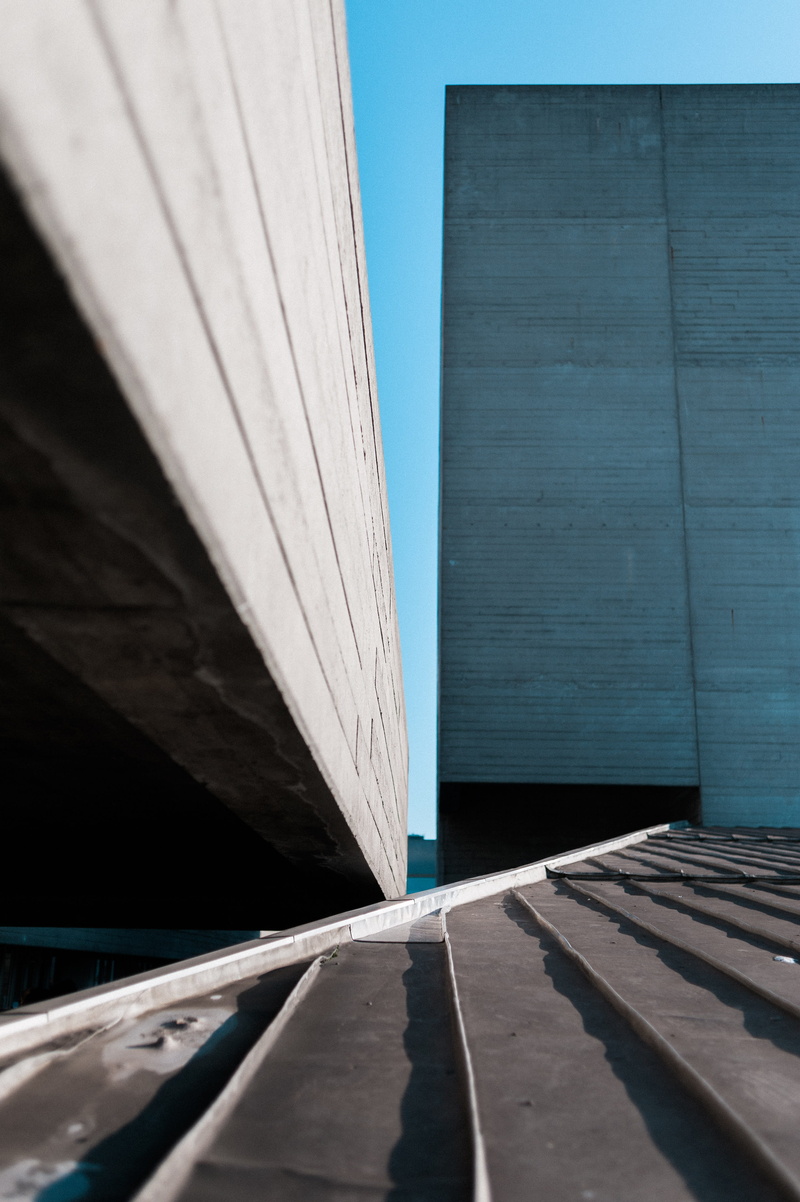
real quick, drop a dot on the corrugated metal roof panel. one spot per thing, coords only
(621, 1024)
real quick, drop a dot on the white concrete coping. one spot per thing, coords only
(42, 1022)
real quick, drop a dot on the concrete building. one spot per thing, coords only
(620, 454)
(202, 709)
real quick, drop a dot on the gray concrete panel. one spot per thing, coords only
(577, 152)
(733, 174)
(192, 169)
(620, 573)
(564, 633)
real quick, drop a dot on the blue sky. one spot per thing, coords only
(402, 54)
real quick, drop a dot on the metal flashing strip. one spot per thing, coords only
(429, 929)
(481, 1187)
(28, 1026)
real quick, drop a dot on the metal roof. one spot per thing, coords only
(616, 1024)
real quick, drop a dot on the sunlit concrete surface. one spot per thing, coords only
(200, 596)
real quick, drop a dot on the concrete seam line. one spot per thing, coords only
(481, 1188)
(174, 1171)
(728, 1119)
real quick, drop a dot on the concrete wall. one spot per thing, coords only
(191, 169)
(620, 441)
(733, 191)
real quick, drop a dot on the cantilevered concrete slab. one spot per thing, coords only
(198, 615)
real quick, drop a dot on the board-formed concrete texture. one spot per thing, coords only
(190, 169)
(620, 438)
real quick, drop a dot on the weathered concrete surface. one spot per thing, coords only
(191, 170)
(564, 615)
(619, 573)
(733, 191)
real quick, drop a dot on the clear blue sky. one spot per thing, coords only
(402, 54)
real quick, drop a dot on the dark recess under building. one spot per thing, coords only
(485, 828)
